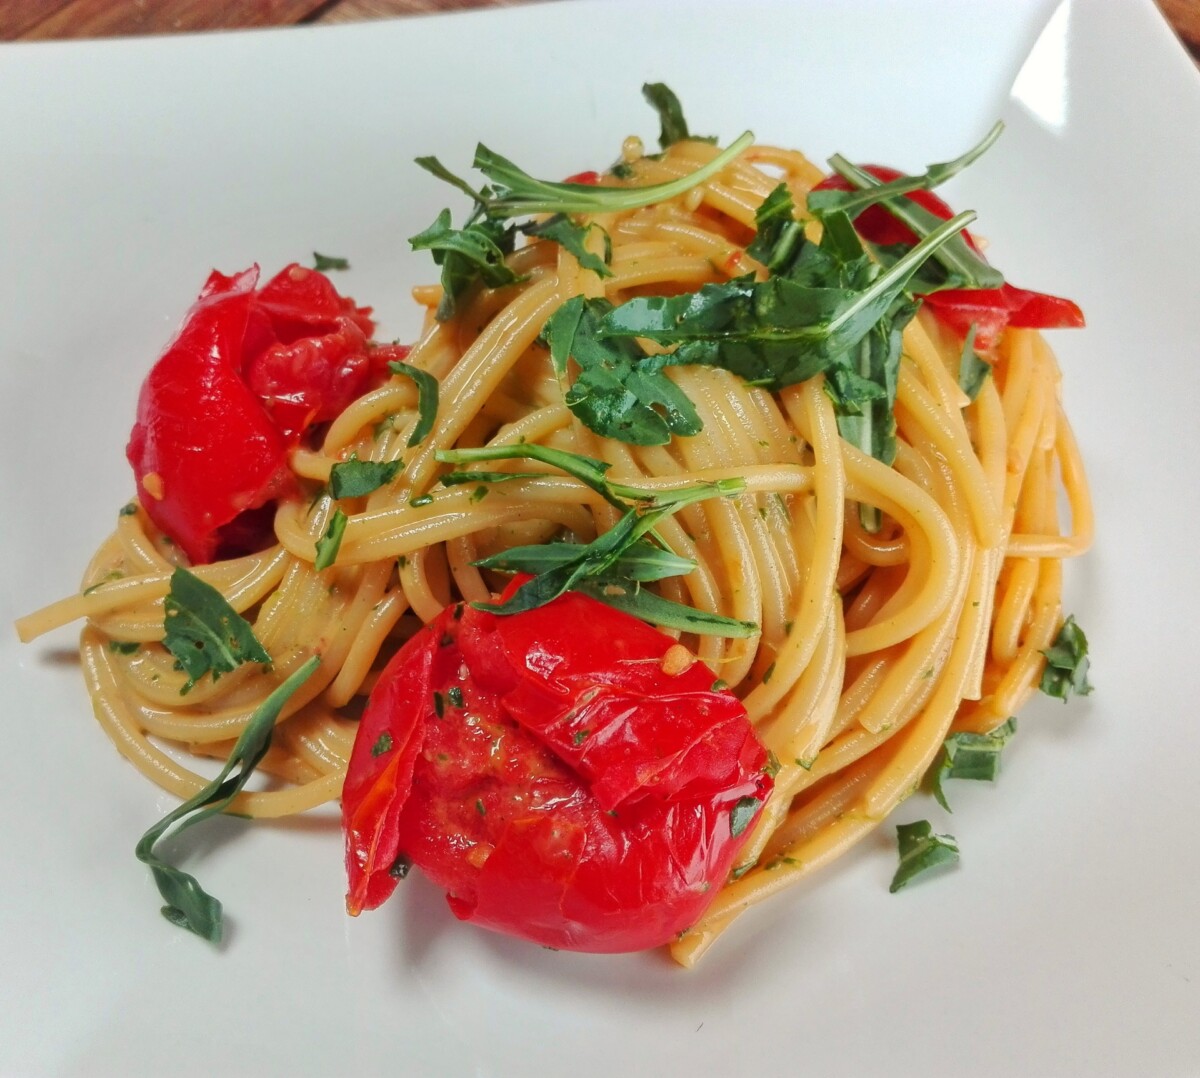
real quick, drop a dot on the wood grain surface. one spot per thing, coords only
(44, 19)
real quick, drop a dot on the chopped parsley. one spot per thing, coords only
(1067, 663)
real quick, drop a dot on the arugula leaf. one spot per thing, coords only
(354, 478)
(920, 852)
(518, 194)
(961, 266)
(573, 236)
(665, 613)
(613, 566)
(972, 371)
(325, 263)
(641, 561)
(466, 255)
(204, 633)
(970, 756)
(670, 114)
(188, 904)
(1067, 663)
(855, 201)
(778, 235)
(618, 393)
(329, 543)
(427, 398)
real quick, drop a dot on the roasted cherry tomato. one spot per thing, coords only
(247, 375)
(557, 772)
(990, 310)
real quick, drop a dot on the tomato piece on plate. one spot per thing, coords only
(548, 772)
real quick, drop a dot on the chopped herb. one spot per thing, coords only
(204, 633)
(455, 695)
(439, 704)
(329, 543)
(424, 499)
(921, 851)
(353, 478)
(742, 813)
(580, 736)
(479, 493)
(427, 398)
(970, 756)
(402, 562)
(1067, 663)
(719, 685)
(768, 673)
(108, 578)
(772, 766)
(479, 807)
(382, 744)
(188, 904)
(325, 263)
(129, 509)
(400, 867)
(622, 170)
(806, 762)
(123, 647)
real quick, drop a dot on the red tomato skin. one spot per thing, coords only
(247, 375)
(203, 474)
(506, 813)
(990, 310)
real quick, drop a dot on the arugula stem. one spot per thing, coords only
(188, 904)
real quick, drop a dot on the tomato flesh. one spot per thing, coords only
(547, 773)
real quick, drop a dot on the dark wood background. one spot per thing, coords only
(41, 19)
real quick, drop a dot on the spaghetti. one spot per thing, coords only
(874, 645)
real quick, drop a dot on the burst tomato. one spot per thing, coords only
(246, 376)
(549, 773)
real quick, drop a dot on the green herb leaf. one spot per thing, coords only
(920, 852)
(665, 613)
(354, 478)
(1067, 663)
(204, 633)
(329, 543)
(670, 114)
(427, 398)
(642, 561)
(188, 904)
(572, 236)
(970, 756)
(972, 371)
(383, 744)
(619, 392)
(742, 813)
(467, 255)
(123, 647)
(779, 236)
(325, 263)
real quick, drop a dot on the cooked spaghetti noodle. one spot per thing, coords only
(874, 646)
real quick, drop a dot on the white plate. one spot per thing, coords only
(1066, 943)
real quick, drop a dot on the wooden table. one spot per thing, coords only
(41, 19)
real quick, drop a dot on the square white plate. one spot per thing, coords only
(1066, 943)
